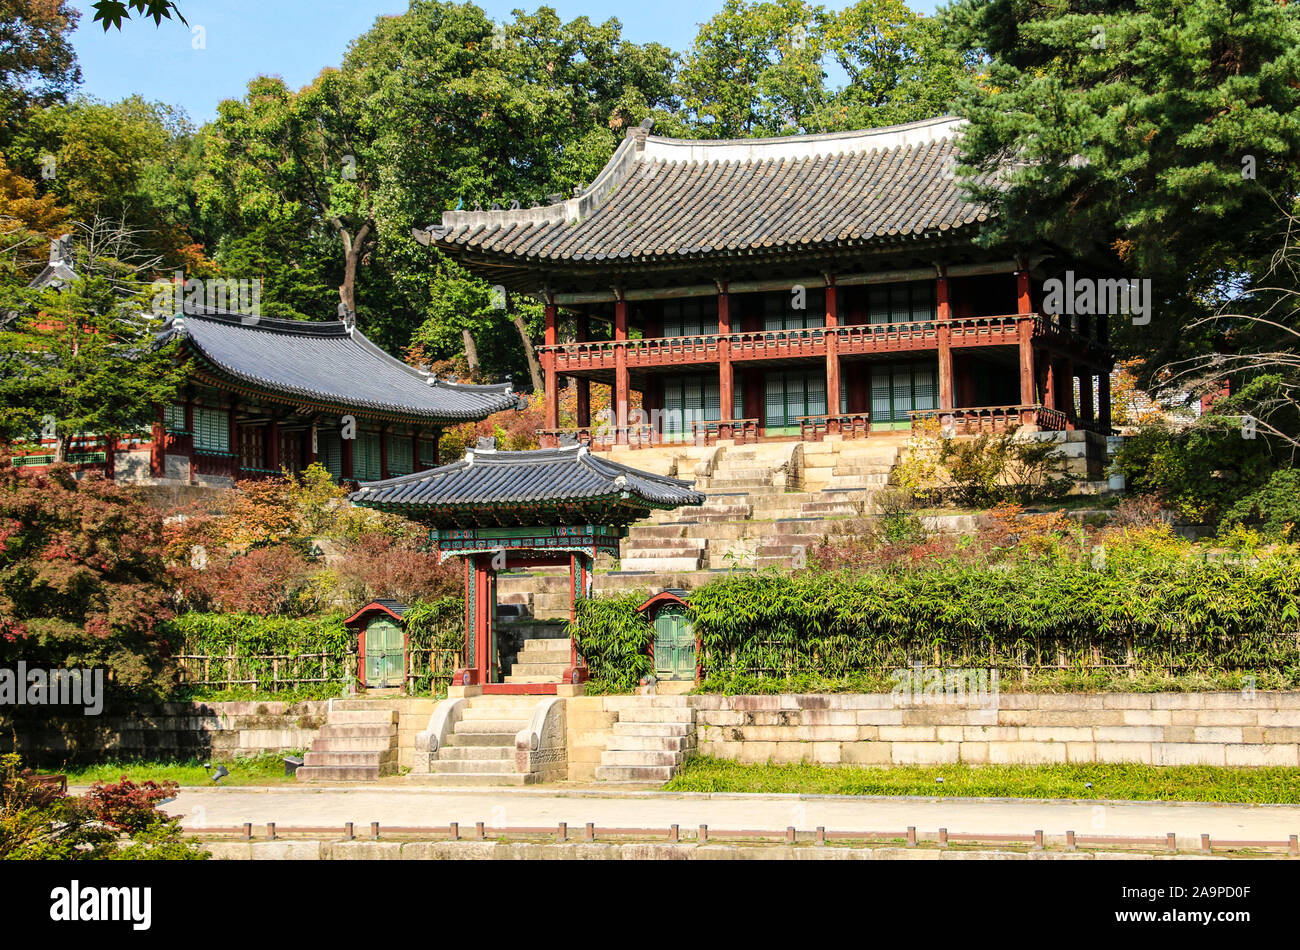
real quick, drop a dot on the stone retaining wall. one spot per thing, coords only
(1021, 728)
(206, 730)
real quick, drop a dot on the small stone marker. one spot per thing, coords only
(1038, 840)
(1070, 844)
(911, 836)
(562, 832)
(943, 837)
(704, 835)
(248, 831)
(270, 831)
(454, 831)
(349, 831)
(374, 831)
(1171, 842)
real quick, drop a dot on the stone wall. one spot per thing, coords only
(875, 729)
(169, 730)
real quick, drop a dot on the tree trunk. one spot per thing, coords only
(534, 368)
(471, 352)
(353, 245)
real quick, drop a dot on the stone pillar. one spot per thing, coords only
(1103, 398)
(582, 383)
(832, 355)
(943, 330)
(1066, 399)
(552, 393)
(726, 373)
(622, 388)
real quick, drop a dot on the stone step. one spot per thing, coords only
(468, 727)
(332, 730)
(468, 766)
(642, 773)
(529, 668)
(467, 740)
(661, 565)
(324, 744)
(361, 717)
(477, 753)
(641, 758)
(339, 773)
(511, 713)
(364, 759)
(624, 743)
(655, 714)
(534, 678)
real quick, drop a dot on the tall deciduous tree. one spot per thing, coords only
(38, 66)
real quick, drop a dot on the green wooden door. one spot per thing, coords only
(674, 645)
(385, 654)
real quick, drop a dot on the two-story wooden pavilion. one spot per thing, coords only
(787, 286)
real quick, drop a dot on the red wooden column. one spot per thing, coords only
(552, 393)
(158, 449)
(622, 387)
(192, 438)
(832, 355)
(234, 437)
(943, 331)
(271, 445)
(1026, 333)
(1049, 387)
(345, 457)
(582, 383)
(726, 373)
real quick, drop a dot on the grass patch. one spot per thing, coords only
(265, 769)
(1185, 783)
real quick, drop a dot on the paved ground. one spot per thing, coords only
(505, 807)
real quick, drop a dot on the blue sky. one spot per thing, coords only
(295, 39)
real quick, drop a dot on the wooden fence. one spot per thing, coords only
(272, 672)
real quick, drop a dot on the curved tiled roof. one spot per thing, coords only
(328, 363)
(662, 199)
(486, 481)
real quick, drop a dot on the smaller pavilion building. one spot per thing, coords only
(502, 510)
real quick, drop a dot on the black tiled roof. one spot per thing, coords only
(486, 481)
(328, 363)
(662, 199)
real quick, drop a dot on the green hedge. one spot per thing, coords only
(1174, 618)
(614, 640)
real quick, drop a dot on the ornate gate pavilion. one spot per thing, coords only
(500, 510)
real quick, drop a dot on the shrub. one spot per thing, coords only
(380, 566)
(1274, 507)
(614, 639)
(980, 471)
(82, 577)
(111, 822)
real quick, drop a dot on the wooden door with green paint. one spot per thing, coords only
(385, 654)
(674, 645)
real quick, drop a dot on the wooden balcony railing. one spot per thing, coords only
(851, 425)
(852, 339)
(709, 431)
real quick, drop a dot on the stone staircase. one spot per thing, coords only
(481, 747)
(354, 745)
(541, 661)
(651, 739)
